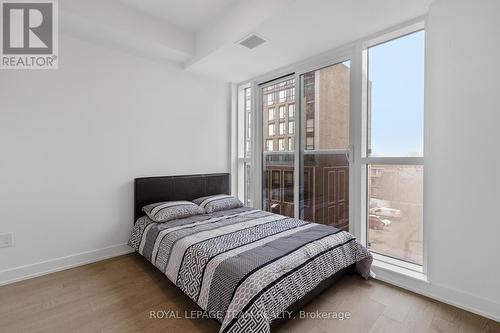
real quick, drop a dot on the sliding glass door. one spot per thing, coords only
(322, 192)
(324, 167)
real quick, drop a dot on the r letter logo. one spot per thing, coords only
(29, 34)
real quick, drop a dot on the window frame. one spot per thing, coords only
(259, 84)
(270, 144)
(366, 160)
(270, 114)
(281, 144)
(291, 107)
(271, 129)
(282, 128)
(282, 115)
(243, 131)
(356, 52)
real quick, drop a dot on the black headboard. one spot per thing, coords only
(169, 188)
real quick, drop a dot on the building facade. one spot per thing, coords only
(325, 176)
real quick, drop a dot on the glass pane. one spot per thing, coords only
(396, 97)
(270, 113)
(275, 185)
(395, 194)
(269, 145)
(282, 112)
(291, 111)
(271, 130)
(325, 136)
(248, 125)
(281, 144)
(278, 159)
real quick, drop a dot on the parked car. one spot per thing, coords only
(376, 223)
(386, 212)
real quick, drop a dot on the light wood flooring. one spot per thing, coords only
(117, 295)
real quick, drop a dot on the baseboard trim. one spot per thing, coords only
(478, 305)
(472, 303)
(25, 272)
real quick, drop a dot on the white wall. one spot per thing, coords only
(462, 160)
(72, 140)
(462, 180)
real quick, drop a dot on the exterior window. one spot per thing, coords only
(291, 111)
(282, 94)
(282, 112)
(290, 144)
(270, 98)
(281, 144)
(271, 114)
(275, 184)
(291, 91)
(310, 143)
(310, 125)
(394, 136)
(271, 129)
(282, 128)
(270, 145)
(291, 127)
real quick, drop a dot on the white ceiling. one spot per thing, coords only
(202, 35)
(191, 15)
(305, 28)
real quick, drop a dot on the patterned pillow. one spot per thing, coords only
(215, 203)
(171, 210)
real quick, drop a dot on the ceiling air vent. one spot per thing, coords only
(252, 41)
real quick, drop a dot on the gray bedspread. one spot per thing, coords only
(246, 266)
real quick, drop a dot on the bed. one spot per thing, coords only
(246, 268)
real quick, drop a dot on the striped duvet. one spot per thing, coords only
(246, 266)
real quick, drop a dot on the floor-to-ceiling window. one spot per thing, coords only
(394, 147)
(323, 187)
(244, 144)
(325, 111)
(341, 143)
(278, 162)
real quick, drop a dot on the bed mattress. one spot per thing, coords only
(243, 266)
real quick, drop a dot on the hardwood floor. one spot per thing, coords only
(117, 295)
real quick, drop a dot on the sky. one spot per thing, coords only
(396, 70)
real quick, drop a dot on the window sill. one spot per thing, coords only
(387, 267)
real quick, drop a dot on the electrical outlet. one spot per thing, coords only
(6, 240)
